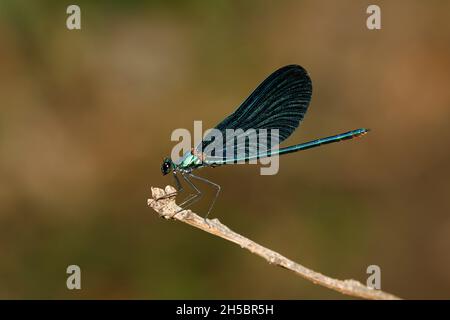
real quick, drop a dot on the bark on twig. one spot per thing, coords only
(167, 208)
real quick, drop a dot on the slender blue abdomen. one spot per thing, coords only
(298, 147)
(315, 143)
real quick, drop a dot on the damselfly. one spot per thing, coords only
(277, 105)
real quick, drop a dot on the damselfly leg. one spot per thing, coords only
(192, 198)
(212, 184)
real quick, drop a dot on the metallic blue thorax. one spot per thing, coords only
(189, 162)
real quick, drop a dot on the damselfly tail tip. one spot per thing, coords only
(361, 132)
(364, 131)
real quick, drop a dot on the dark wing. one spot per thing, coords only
(279, 102)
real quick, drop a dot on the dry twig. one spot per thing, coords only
(167, 209)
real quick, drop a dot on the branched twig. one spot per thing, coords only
(167, 208)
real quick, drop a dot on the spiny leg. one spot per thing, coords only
(210, 183)
(190, 200)
(177, 182)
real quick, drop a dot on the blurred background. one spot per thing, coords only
(86, 118)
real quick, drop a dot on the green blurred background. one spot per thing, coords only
(86, 118)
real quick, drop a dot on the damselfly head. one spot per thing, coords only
(166, 166)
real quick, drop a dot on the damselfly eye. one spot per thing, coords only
(166, 167)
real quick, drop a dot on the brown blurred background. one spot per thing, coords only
(86, 118)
